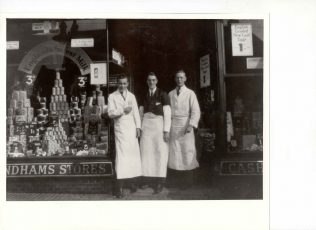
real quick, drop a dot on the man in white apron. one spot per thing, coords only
(122, 107)
(185, 117)
(156, 121)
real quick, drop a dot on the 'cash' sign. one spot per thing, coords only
(241, 168)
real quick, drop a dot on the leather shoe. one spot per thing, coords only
(119, 193)
(144, 186)
(158, 188)
(133, 188)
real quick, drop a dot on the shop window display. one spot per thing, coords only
(53, 111)
(244, 85)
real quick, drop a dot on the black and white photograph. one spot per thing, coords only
(135, 109)
(157, 115)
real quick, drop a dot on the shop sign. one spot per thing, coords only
(242, 39)
(13, 45)
(205, 72)
(53, 48)
(118, 58)
(45, 27)
(98, 74)
(255, 63)
(60, 169)
(82, 42)
(38, 26)
(241, 167)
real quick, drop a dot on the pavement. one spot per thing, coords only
(205, 187)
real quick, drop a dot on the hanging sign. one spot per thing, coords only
(13, 45)
(98, 73)
(242, 39)
(117, 57)
(45, 27)
(82, 42)
(205, 72)
(52, 48)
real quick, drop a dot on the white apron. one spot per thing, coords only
(154, 150)
(128, 162)
(185, 110)
(182, 152)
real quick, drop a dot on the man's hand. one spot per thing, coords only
(166, 136)
(189, 129)
(138, 133)
(127, 109)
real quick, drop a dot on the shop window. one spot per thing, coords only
(54, 108)
(243, 76)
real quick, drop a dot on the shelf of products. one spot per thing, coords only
(78, 128)
(244, 116)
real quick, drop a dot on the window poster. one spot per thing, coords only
(98, 74)
(242, 39)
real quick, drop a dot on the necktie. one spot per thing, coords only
(178, 91)
(151, 93)
(122, 93)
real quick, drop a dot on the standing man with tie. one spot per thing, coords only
(185, 112)
(156, 121)
(122, 107)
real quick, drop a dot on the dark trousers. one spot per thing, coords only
(152, 181)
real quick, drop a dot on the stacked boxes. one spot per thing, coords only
(83, 100)
(20, 109)
(75, 119)
(54, 139)
(208, 140)
(58, 102)
(95, 130)
(46, 133)
(97, 96)
(20, 113)
(74, 111)
(42, 112)
(102, 145)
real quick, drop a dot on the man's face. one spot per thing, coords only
(152, 81)
(122, 84)
(180, 79)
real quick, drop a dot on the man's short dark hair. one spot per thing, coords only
(152, 74)
(180, 71)
(122, 77)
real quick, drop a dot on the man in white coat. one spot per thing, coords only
(156, 121)
(185, 112)
(122, 107)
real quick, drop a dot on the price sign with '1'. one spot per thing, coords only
(205, 72)
(242, 39)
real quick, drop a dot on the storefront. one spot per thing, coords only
(240, 49)
(60, 72)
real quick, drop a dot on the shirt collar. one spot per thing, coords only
(124, 92)
(154, 90)
(182, 88)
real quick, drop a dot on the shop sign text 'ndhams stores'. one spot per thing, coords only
(60, 169)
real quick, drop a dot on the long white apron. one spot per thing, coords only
(154, 150)
(182, 151)
(128, 163)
